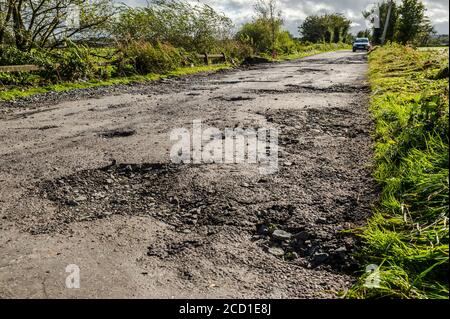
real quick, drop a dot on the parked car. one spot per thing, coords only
(361, 44)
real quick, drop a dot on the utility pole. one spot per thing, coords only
(386, 23)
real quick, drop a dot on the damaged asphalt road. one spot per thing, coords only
(86, 179)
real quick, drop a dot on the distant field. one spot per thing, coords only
(443, 49)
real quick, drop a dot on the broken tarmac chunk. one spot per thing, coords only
(81, 199)
(281, 235)
(303, 235)
(71, 202)
(278, 252)
(118, 133)
(319, 257)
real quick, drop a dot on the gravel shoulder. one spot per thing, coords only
(86, 179)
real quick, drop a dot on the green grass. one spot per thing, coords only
(408, 235)
(20, 92)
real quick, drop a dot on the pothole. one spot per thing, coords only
(183, 196)
(311, 70)
(233, 98)
(337, 88)
(313, 246)
(337, 122)
(296, 88)
(118, 133)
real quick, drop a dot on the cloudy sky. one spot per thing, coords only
(295, 11)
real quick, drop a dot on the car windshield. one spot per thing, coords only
(362, 41)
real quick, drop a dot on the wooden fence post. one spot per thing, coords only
(20, 68)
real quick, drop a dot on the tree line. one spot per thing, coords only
(408, 23)
(329, 28)
(29, 24)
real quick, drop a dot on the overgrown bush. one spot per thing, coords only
(9, 55)
(71, 64)
(193, 27)
(144, 58)
(256, 34)
(235, 50)
(286, 44)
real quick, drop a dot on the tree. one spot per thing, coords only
(192, 27)
(268, 12)
(425, 34)
(364, 34)
(413, 25)
(265, 33)
(329, 28)
(408, 23)
(257, 34)
(313, 29)
(39, 23)
(5, 16)
(339, 26)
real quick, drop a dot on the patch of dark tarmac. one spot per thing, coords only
(47, 127)
(233, 98)
(117, 133)
(227, 82)
(170, 193)
(260, 81)
(311, 70)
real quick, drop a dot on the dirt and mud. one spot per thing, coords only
(86, 179)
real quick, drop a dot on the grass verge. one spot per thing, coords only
(407, 238)
(18, 92)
